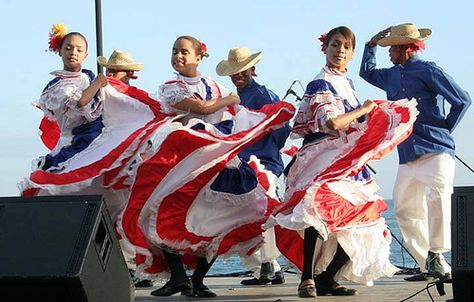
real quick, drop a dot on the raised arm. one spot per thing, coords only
(368, 68)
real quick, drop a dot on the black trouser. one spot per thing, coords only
(326, 277)
(178, 274)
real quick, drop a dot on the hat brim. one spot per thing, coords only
(129, 67)
(425, 33)
(227, 68)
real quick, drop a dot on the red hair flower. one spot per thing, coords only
(204, 50)
(56, 36)
(322, 38)
(416, 46)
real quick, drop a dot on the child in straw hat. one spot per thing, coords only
(240, 66)
(427, 157)
(120, 66)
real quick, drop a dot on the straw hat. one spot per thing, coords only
(120, 60)
(405, 33)
(239, 59)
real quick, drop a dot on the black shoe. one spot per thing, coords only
(201, 291)
(307, 290)
(267, 273)
(335, 290)
(143, 283)
(434, 266)
(279, 278)
(419, 277)
(170, 289)
(447, 278)
(253, 281)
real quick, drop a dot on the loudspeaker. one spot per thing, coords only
(60, 248)
(462, 242)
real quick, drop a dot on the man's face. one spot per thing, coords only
(395, 53)
(242, 79)
(120, 75)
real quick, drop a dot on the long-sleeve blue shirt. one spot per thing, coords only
(430, 86)
(254, 96)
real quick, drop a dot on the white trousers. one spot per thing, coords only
(268, 252)
(422, 199)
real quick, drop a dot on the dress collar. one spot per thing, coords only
(334, 71)
(66, 74)
(189, 80)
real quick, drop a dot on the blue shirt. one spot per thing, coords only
(430, 86)
(254, 96)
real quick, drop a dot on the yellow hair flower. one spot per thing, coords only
(56, 35)
(59, 29)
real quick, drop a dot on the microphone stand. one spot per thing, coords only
(465, 165)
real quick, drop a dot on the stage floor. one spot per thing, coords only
(229, 289)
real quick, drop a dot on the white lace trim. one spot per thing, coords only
(368, 250)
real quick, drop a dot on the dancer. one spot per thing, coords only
(424, 184)
(240, 66)
(100, 131)
(120, 66)
(330, 196)
(201, 201)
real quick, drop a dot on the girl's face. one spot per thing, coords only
(184, 58)
(73, 53)
(339, 52)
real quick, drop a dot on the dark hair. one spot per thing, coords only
(343, 30)
(195, 42)
(73, 33)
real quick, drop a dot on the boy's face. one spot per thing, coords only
(395, 53)
(242, 79)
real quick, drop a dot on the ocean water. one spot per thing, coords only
(398, 256)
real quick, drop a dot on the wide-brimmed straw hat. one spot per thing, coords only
(405, 33)
(120, 60)
(239, 59)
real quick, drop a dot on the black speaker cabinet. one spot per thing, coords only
(462, 238)
(60, 248)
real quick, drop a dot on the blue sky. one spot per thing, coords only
(285, 30)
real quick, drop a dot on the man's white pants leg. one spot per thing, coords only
(422, 199)
(268, 252)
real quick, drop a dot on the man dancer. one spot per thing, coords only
(240, 66)
(422, 191)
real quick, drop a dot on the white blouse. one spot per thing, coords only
(324, 100)
(204, 88)
(59, 101)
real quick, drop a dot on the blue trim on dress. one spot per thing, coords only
(83, 136)
(319, 85)
(225, 126)
(208, 89)
(236, 181)
(51, 83)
